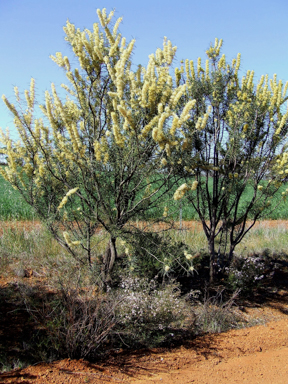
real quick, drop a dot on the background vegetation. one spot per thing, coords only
(14, 207)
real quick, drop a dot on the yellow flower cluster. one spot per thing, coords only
(68, 240)
(65, 198)
(202, 121)
(281, 166)
(101, 150)
(188, 256)
(194, 185)
(222, 62)
(268, 100)
(213, 52)
(165, 213)
(180, 192)
(189, 70)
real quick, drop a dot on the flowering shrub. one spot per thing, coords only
(147, 315)
(234, 143)
(92, 161)
(246, 272)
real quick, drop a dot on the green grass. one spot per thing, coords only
(262, 239)
(277, 211)
(12, 204)
(14, 207)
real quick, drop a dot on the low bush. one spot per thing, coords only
(246, 273)
(82, 323)
(215, 315)
(148, 314)
(72, 323)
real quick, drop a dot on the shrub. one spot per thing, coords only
(73, 323)
(246, 273)
(149, 254)
(214, 315)
(149, 315)
(235, 154)
(95, 159)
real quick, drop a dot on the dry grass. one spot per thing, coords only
(264, 238)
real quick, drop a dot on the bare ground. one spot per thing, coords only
(257, 354)
(253, 355)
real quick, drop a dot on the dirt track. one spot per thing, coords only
(251, 355)
(254, 355)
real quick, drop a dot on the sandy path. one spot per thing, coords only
(251, 355)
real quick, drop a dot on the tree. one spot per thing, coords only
(235, 147)
(95, 159)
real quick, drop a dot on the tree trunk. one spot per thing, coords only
(108, 261)
(212, 258)
(231, 254)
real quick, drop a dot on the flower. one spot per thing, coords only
(194, 185)
(180, 192)
(188, 255)
(69, 193)
(164, 162)
(245, 127)
(165, 213)
(63, 202)
(65, 198)
(76, 242)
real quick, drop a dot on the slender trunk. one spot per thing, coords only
(108, 261)
(89, 235)
(211, 246)
(223, 243)
(231, 251)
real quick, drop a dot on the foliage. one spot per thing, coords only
(148, 314)
(235, 142)
(215, 315)
(246, 273)
(96, 158)
(149, 254)
(76, 322)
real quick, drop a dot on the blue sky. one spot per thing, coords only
(31, 30)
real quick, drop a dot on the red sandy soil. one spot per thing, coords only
(188, 225)
(251, 355)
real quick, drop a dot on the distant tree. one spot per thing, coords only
(235, 142)
(96, 159)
